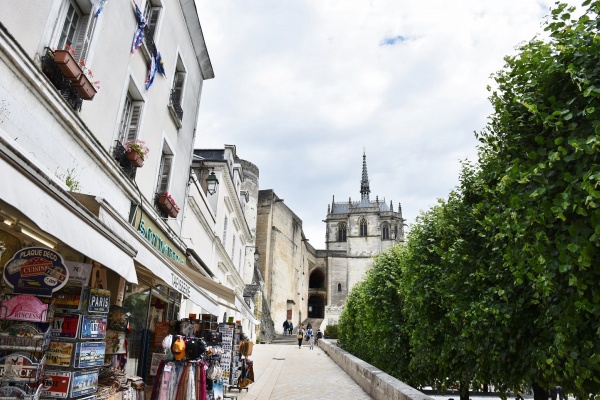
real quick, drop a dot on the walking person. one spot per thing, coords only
(311, 341)
(300, 337)
(291, 327)
(286, 326)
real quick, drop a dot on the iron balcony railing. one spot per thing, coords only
(60, 82)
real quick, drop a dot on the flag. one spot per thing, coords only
(138, 37)
(102, 3)
(160, 67)
(151, 73)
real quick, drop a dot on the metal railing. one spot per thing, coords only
(120, 154)
(176, 104)
(60, 82)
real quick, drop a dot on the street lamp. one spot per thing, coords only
(212, 183)
(256, 254)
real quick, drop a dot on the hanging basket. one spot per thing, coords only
(135, 159)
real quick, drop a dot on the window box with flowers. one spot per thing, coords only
(136, 151)
(81, 77)
(65, 61)
(168, 205)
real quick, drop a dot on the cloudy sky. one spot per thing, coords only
(302, 87)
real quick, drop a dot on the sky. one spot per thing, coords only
(302, 88)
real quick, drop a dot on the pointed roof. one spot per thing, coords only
(364, 183)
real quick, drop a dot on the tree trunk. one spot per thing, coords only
(539, 393)
(464, 390)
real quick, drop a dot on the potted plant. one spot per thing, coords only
(65, 61)
(85, 85)
(168, 205)
(136, 151)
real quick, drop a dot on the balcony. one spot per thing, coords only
(175, 108)
(64, 85)
(120, 154)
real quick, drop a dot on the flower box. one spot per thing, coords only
(84, 88)
(67, 64)
(167, 206)
(135, 158)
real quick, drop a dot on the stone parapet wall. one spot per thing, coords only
(375, 382)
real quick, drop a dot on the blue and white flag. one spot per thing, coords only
(138, 37)
(156, 64)
(102, 4)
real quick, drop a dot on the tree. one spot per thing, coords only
(540, 164)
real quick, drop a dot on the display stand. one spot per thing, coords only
(24, 340)
(77, 347)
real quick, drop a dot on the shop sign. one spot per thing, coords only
(89, 354)
(24, 308)
(79, 273)
(162, 244)
(65, 325)
(18, 368)
(84, 382)
(93, 327)
(180, 285)
(36, 270)
(56, 384)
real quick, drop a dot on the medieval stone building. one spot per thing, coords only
(302, 283)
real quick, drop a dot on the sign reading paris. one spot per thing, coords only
(36, 270)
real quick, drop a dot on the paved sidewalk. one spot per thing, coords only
(283, 371)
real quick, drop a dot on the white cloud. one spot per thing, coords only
(302, 87)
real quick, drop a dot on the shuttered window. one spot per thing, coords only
(164, 173)
(152, 18)
(77, 30)
(130, 119)
(178, 87)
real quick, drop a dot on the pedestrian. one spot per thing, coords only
(319, 336)
(311, 341)
(300, 337)
(291, 327)
(286, 326)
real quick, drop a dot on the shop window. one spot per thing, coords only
(342, 232)
(363, 227)
(385, 231)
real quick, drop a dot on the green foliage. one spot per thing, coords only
(71, 180)
(499, 282)
(331, 331)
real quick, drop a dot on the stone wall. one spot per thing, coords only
(375, 382)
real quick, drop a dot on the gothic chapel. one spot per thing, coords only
(356, 232)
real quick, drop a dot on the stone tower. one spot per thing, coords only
(356, 232)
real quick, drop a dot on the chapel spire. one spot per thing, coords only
(364, 183)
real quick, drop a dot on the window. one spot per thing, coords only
(385, 231)
(224, 231)
(395, 231)
(342, 229)
(164, 172)
(130, 119)
(76, 28)
(363, 227)
(151, 15)
(233, 248)
(339, 287)
(176, 101)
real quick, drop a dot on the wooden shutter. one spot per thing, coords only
(165, 171)
(134, 120)
(80, 36)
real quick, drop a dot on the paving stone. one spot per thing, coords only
(283, 371)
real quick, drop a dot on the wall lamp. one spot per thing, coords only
(212, 182)
(256, 254)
